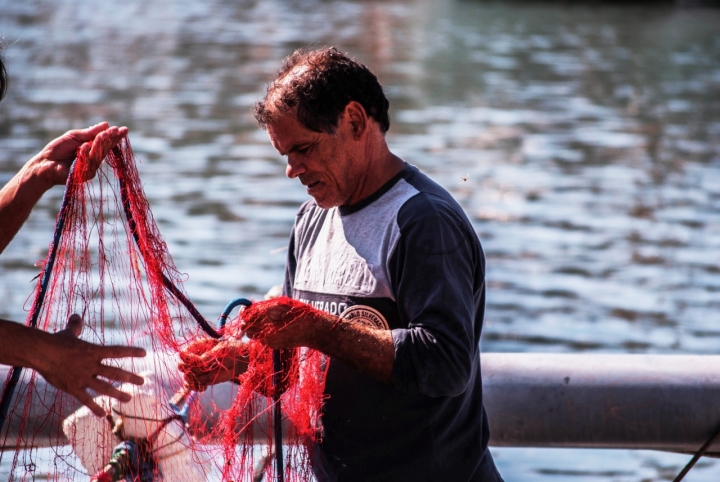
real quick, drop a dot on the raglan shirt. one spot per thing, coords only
(405, 259)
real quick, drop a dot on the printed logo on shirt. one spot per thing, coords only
(365, 315)
(327, 306)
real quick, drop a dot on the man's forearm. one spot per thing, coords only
(17, 199)
(19, 344)
(369, 350)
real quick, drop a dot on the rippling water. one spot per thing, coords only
(583, 143)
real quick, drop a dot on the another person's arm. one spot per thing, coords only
(66, 362)
(48, 168)
(69, 364)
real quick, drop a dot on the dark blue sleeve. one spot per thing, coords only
(437, 273)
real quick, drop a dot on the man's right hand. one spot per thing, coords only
(208, 362)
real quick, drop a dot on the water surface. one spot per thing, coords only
(583, 142)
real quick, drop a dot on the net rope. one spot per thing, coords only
(111, 264)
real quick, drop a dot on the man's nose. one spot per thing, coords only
(294, 167)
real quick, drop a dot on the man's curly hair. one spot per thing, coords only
(322, 83)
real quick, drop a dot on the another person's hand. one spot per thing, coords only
(209, 361)
(74, 366)
(54, 161)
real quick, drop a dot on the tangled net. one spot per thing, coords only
(113, 266)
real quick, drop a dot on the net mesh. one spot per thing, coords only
(113, 266)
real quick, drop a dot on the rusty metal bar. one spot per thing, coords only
(660, 402)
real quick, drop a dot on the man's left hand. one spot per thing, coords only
(281, 323)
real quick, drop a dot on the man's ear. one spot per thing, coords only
(356, 116)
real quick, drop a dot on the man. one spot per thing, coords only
(393, 260)
(66, 362)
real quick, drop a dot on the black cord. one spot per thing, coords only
(16, 372)
(277, 362)
(697, 455)
(277, 382)
(204, 324)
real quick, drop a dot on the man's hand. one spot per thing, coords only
(74, 366)
(208, 362)
(287, 323)
(53, 162)
(283, 323)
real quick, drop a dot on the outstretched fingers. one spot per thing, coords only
(120, 351)
(119, 375)
(101, 387)
(85, 398)
(102, 384)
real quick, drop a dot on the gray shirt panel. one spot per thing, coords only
(349, 255)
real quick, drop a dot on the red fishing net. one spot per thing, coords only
(113, 266)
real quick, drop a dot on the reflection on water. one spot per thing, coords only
(583, 142)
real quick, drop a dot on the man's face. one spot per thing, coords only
(326, 164)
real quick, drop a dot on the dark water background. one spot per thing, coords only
(589, 138)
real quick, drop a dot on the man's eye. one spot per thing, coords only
(304, 150)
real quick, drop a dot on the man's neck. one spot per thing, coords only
(383, 166)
